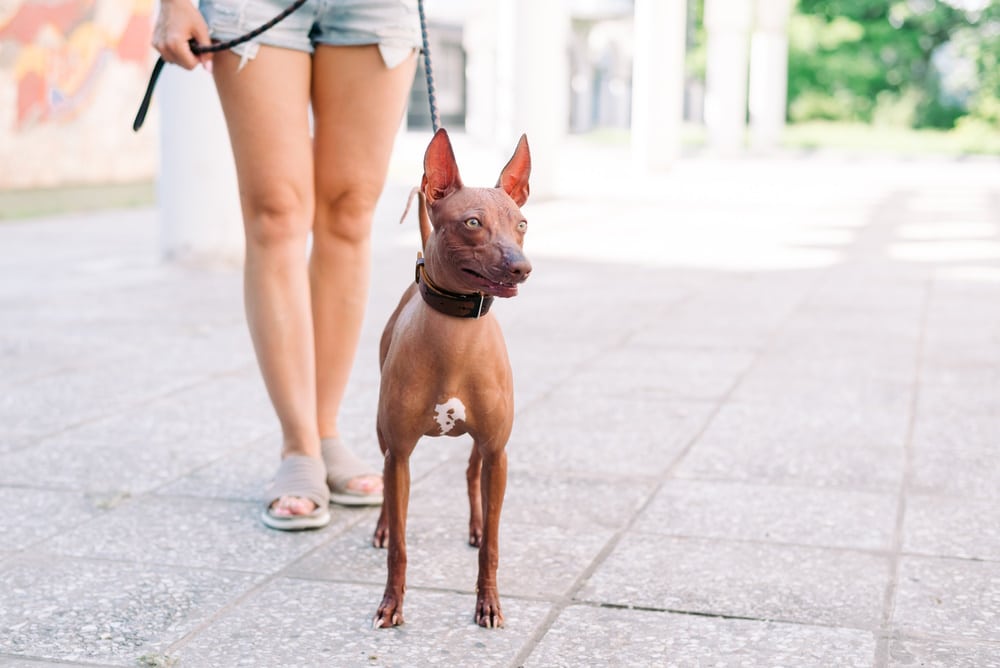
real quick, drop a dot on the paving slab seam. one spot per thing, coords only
(881, 658)
(52, 662)
(871, 552)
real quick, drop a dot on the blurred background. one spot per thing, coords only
(660, 79)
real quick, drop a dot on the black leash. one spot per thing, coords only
(196, 48)
(431, 97)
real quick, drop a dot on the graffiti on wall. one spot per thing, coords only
(58, 49)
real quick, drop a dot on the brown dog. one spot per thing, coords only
(444, 362)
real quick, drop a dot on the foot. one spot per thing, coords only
(351, 481)
(298, 496)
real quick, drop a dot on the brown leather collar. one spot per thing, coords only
(455, 304)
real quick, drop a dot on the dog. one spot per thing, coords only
(443, 360)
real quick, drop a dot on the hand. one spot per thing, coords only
(178, 22)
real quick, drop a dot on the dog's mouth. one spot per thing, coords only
(489, 286)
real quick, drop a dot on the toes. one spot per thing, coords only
(288, 506)
(365, 484)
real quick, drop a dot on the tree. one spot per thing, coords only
(865, 59)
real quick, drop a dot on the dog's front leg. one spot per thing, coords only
(494, 482)
(397, 494)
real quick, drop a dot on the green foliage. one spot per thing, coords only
(872, 60)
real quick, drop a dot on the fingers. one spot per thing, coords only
(176, 25)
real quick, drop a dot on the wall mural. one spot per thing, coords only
(58, 49)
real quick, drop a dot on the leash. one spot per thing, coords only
(431, 97)
(198, 49)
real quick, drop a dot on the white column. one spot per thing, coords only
(769, 73)
(727, 24)
(537, 100)
(479, 39)
(658, 82)
(200, 219)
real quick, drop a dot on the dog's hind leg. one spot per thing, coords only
(472, 478)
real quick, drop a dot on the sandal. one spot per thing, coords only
(342, 466)
(302, 476)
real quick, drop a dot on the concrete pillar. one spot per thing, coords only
(479, 39)
(533, 91)
(769, 73)
(727, 24)
(198, 198)
(658, 82)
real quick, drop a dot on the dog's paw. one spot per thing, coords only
(389, 613)
(488, 614)
(476, 535)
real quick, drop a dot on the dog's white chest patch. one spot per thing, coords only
(448, 413)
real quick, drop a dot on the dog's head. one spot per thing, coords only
(478, 233)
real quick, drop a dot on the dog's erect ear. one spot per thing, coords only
(514, 177)
(440, 169)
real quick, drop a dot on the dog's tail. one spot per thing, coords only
(425, 223)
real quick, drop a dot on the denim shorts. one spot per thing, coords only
(394, 25)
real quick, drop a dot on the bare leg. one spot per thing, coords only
(265, 105)
(358, 104)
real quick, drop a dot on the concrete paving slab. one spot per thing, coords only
(572, 437)
(104, 611)
(742, 579)
(535, 561)
(304, 622)
(960, 598)
(634, 371)
(576, 502)
(790, 421)
(937, 653)
(871, 468)
(967, 472)
(952, 527)
(33, 515)
(619, 637)
(801, 515)
(187, 532)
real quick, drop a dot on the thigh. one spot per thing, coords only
(266, 102)
(358, 104)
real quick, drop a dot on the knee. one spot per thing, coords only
(346, 216)
(277, 217)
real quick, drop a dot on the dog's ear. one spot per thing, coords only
(440, 169)
(514, 177)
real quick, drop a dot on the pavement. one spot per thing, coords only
(758, 420)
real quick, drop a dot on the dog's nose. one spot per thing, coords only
(518, 266)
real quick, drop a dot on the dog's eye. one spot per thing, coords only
(522, 226)
(473, 223)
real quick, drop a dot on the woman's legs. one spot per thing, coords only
(266, 104)
(358, 104)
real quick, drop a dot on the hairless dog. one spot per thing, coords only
(444, 362)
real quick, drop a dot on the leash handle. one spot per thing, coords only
(198, 49)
